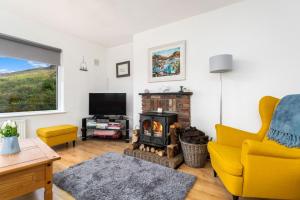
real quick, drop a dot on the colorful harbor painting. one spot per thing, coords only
(167, 62)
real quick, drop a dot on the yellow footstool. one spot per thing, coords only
(55, 135)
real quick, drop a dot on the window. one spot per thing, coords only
(28, 76)
(27, 85)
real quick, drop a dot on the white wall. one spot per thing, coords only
(115, 55)
(263, 37)
(77, 84)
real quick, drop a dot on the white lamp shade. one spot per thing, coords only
(220, 63)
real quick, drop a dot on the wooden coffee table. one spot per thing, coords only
(28, 170)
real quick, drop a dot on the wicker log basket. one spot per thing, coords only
(194, 147)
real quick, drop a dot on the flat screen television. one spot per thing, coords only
(107, 104)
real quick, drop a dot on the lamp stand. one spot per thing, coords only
(220, 64)
(221, 99)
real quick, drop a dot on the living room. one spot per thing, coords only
(116, 95)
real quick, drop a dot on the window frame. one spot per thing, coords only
(12, 49)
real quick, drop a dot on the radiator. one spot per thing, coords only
(21, 124)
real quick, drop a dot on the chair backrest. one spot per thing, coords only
(267, 105)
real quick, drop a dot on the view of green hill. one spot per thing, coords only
(28, 90)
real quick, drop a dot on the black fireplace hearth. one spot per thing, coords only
(154, 128)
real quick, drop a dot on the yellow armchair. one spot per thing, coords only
(249, 165)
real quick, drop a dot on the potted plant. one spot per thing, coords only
(9, 134)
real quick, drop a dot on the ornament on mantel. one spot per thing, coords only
(83, 65)
(165, 89)
(146, 91)
(183, 89)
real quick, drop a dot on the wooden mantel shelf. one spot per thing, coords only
(167, 93)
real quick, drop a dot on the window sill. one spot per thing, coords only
(32, 113)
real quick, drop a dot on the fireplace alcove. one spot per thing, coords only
(154, 127)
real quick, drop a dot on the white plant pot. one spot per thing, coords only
(10, 145)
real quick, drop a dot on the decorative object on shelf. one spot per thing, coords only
(165, 89)
(83, 65)
(181, 89)
(186, 89)
(220, 64)
(146, 91)
(167, 62)
(9, 132)
(123, 69)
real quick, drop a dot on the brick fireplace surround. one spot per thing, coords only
(177, 102)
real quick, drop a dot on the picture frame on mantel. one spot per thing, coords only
(167, 62)
(123, 69)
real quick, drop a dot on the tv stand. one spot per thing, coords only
(87, 127)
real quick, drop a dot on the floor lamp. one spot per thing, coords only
(220, 64)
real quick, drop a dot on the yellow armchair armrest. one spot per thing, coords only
(233, 137)
(270, 170)
(268, 149)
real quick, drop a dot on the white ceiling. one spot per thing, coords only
(108, 22)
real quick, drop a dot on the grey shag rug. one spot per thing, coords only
(120, 177)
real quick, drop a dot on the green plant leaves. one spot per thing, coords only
(9, 131)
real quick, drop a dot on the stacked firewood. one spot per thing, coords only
(143, 147)
(135, 139)
(193, 136)
(170, 151)
(157, 151)
(174, 147)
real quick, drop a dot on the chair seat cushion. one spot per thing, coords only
(227, 158)
(56, 130)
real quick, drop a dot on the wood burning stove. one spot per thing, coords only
(154, 128)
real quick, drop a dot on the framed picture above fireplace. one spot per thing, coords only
(167, 62)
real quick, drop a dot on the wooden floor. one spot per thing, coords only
(206, 187)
